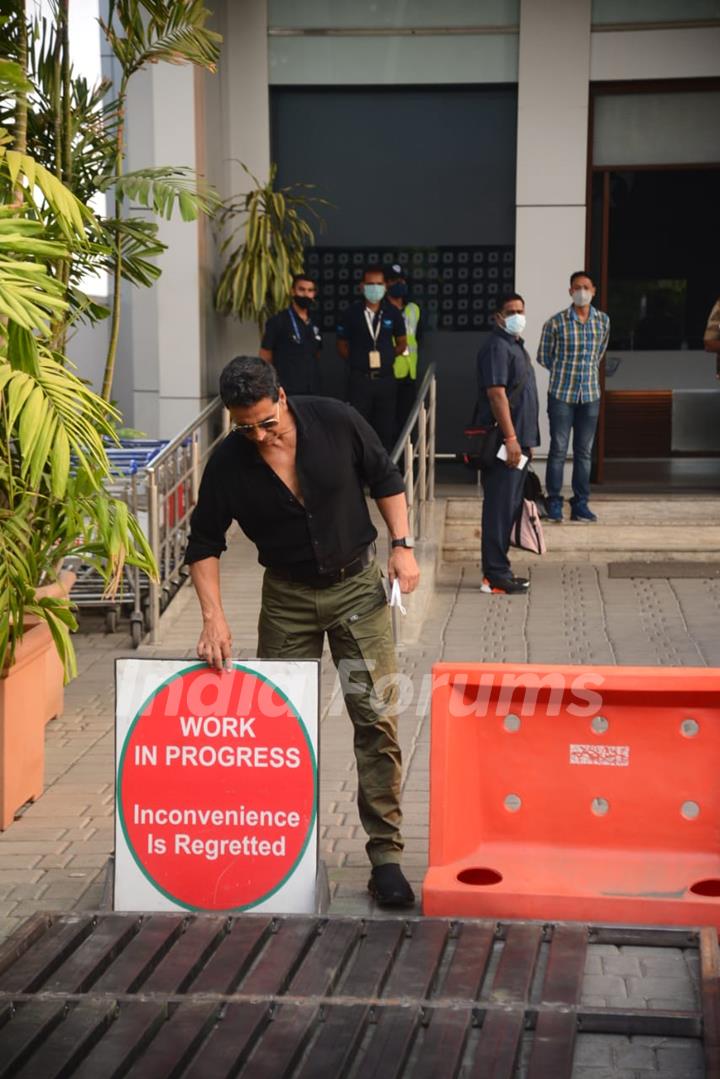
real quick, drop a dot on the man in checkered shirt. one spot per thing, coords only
(711, 340)
(572, 344)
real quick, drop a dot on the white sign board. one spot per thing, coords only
(216, 786)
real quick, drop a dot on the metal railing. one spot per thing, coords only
(173, 480)
(415, 447)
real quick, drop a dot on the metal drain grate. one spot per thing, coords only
(208, 996)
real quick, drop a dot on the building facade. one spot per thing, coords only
(487, 144)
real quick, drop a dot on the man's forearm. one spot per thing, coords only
(400, 345)
(500, 407)
(712, 346)
(206, 580)
(395, 515)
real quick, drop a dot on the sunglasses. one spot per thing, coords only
(264, 425)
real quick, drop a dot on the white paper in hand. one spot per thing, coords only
(502, 454)
(396, 597)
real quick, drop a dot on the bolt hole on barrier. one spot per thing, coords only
(479, 876)
(592, 792)
(706, 887)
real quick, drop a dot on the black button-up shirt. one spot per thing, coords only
(503, 361)
(353, 328)
(337, 453)
(295, 345)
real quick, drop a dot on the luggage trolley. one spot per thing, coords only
(128, 483)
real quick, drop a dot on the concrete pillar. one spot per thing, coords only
(553, 93)
(163, 336)
(236, 118)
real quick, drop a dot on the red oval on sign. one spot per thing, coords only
(217, 788)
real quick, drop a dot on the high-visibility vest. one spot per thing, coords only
(406, 365)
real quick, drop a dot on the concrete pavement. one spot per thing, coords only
(53, 857)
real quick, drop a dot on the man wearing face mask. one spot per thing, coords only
(508, 396)
(292, 341)
(572, 345)
(406, 364)
(370, 335)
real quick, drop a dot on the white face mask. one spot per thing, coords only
(515, 324)
(581, 297)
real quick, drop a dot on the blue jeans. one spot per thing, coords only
(582, 420)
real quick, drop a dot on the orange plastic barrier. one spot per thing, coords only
(581, 793)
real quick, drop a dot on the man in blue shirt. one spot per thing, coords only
(370, 335)
(572, 344)
(508, 396)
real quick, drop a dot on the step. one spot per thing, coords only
(632, 530)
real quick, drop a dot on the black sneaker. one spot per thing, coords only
(508, 586)
(389, 888)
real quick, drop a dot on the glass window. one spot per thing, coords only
(349, 14)
(653, 11)
(662, 277)
(656, 129)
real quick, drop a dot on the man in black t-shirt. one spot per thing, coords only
(371, 333)
(292, 341)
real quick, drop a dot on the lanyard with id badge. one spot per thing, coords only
(374, 325)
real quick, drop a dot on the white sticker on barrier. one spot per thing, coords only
(614, 756)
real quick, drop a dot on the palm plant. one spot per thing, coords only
(78, 133)
(267, 240)
(53, 428)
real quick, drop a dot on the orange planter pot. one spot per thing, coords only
(24, 710)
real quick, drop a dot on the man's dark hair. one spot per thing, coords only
(246, 380)
(373, 267)
(506, 299)
(580, 273)
(301, 277)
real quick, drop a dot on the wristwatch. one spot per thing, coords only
(405, 541)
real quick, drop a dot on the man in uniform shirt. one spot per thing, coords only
(406, 364)
(370, 335)
(572, 345)
(291, 341)
(292, 475)
(507, 395)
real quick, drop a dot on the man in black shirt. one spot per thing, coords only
(508, 396)
(292, 474)
(292, 341)
(371, 333)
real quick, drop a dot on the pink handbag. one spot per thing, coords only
(527, 532)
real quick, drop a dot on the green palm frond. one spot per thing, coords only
(29, 295)
(139, 243)
(144, 32)
(265, 242)
(70, 215)
(12, 78)
(163, 189)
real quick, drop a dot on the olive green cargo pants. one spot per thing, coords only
(354, 614)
